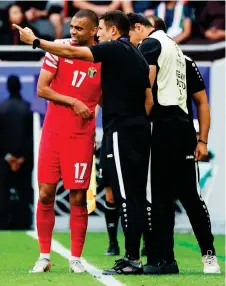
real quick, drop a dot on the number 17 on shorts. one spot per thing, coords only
(80, 170)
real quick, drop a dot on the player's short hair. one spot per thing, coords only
(88, 14)
(117, 19)
(135, 18)
(159, 23)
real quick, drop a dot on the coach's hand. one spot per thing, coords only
(200, 151)
(26, 34)
(82, 110)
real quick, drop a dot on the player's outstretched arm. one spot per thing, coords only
(66, 51)
(61, 50)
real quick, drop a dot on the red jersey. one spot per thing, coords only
(75, 78)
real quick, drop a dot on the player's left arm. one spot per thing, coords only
(198, 91)
(203, 110)
(58, 49)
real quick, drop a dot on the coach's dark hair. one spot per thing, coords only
(88, 14)
(117, 19)
(135, 18)
(159, 23)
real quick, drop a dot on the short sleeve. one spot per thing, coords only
(103, 51)
(187, 12)
(194, 78)
(150, 49)
(50, 63)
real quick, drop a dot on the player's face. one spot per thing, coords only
(82, 31)
(104, 34)
(134, 36)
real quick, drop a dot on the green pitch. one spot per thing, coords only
(18, 252)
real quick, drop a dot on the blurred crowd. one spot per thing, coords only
(186, 21)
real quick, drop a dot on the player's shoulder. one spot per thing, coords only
(149, 45)
(66, 41)
(149, 41)
(190, 63)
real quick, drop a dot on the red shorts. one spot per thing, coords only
(67, 157)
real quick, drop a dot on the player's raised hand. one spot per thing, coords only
(26, 34)
(82, 110)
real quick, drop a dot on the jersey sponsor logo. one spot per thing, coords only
(68, 61)
(79, 181)
(92, 71)
(190, 157)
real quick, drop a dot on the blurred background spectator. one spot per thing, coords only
(45, 16)
(8, 34)
(16, 159)
(178, 19)
(212, 21)
(145, 7)
(99, 7)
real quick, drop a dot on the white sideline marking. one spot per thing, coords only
(95, 272)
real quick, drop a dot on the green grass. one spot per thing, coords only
(18, 252)
(186, 251)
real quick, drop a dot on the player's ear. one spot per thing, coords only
(94, 31)
(138, 26)
(113, 30)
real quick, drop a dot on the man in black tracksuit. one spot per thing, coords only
(174, 151)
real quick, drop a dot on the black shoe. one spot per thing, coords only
(171, 267)
(125, 267)
(163, 267)
(113, 249)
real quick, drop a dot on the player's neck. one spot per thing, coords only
(148, 31)
(91, 43)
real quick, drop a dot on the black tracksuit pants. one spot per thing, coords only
(126, 162)
(173, 174)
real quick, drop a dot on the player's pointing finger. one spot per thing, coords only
(18, 27)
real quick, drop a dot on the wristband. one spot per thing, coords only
(36, 43)
(202, 141)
